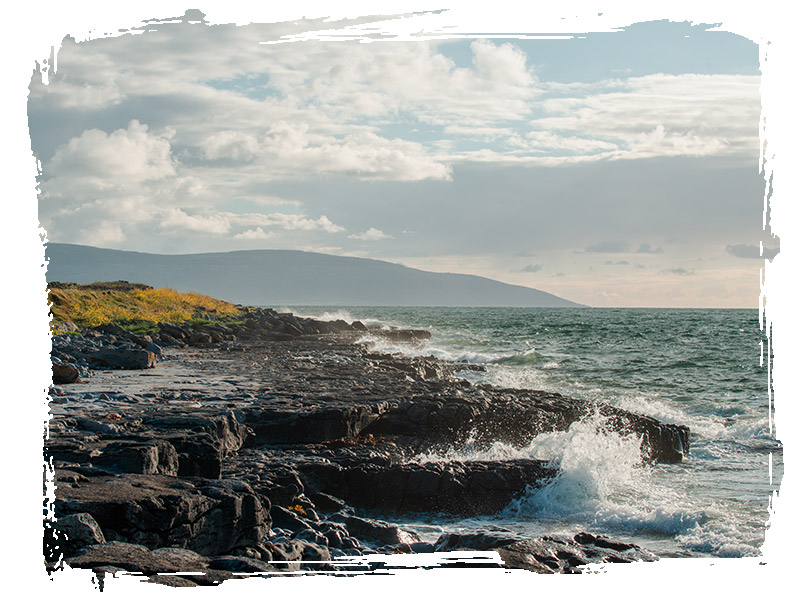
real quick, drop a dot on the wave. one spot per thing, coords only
(328, 315)
(452, 353)
(424, 348)
(603, 483)
(529, 357)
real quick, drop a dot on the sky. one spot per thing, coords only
(612, 168)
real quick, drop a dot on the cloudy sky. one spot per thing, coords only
(612, 169)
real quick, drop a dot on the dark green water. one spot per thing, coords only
(701, 368)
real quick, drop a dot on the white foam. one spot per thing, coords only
(424, 348)
(334, 315)
(719, 538)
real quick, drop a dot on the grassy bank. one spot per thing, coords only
(135, 307)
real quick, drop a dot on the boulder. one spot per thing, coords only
(137, 558)
(562, 554)
(65, 373)
(461, 488)
(73, 532)
(379, 531)
(239, 564)
(154, 457)
(318, 425)
(199, 338)
(206, 516)
(548, 554)
(122, 358)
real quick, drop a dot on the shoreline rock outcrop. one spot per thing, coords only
(257, 447)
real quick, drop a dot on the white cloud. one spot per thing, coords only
(664, 115)
(231, 145)
(254, 234)
(292, 222)
(105, 233)
(350, 79)
(290, 148)
(294, 110)
(546, 140)
(104, 188)
(214, 224)
(370, 234)
(100, 162)
(252, 225)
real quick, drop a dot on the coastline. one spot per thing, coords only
(260, 453)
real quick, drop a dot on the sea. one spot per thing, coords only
(704, 368)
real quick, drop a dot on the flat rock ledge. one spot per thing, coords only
(259, 449)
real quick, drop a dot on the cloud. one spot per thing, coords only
(254, 234)
(177, 219)
(532, 268)
(646, 248)
(292, 221)
(394, 111)
(110, 183)
(102, 188)
(617, 262)
(103, 234)
(370, 234)
(678, 271)
(231, 145)
(661, 115)
(98, 162)
(248, 226)
(751, 251)
(290, 148)
(398, 77)
(608, 247)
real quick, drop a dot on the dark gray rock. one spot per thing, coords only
(549, 554)
(65, 373)
(287, 519)
(198, 338)
(474, 541)
(422, 547)
(465, 488)
(379, 531)
(138, 559)
(155, 457)
(76, 531)
(239, 564)
(206, 516)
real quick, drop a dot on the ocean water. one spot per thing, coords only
(706, 369)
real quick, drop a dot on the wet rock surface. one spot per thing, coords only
(265, 446)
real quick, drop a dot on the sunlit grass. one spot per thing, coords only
(135, 309)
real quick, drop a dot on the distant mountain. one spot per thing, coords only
(290, 277)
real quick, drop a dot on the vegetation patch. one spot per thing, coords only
(135, 307)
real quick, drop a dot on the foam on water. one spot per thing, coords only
(690, 368)
(327, 315)
(384, 346)
(603, 484)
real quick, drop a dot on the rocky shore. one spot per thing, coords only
(268, 447)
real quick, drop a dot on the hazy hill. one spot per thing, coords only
(289, 277)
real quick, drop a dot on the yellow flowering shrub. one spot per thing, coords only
(89, 306)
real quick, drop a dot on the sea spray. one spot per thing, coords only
(604, 483)
(597, 466)
(383, 345)
(699, 368)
